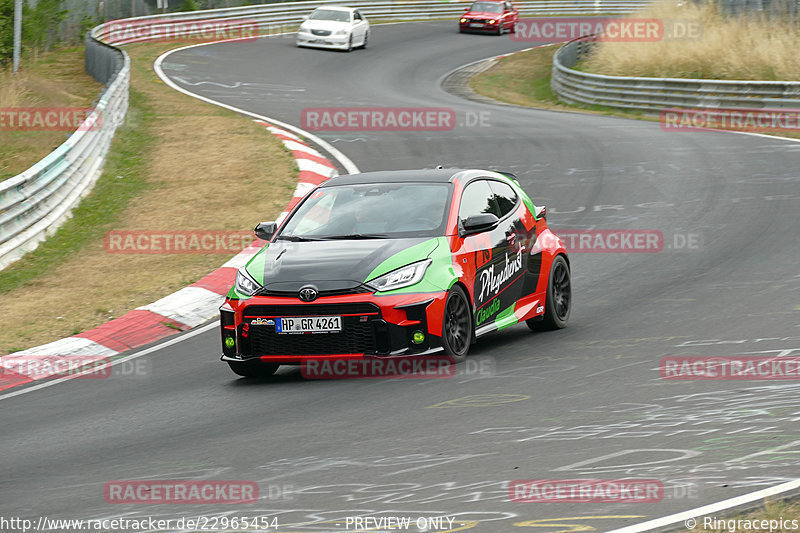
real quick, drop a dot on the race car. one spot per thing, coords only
(489, 16)
(395, 264)
(336, 27)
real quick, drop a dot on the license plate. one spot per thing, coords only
(476, 25)
(309, 324)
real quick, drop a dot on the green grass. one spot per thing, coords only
(524, 79)
(123, 178)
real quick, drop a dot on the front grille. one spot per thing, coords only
(356, 337)
(338, 292)
(311, 309)
(321, 33)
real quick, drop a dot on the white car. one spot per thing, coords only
(341, 28)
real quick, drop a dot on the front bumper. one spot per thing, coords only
(483, 27)
(372, 327)
(337, 42)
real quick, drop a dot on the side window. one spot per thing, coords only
(505, 197)
(477, 199)
(357, 15)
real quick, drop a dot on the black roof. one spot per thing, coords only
(395, 176)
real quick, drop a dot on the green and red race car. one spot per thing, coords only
(395, 264)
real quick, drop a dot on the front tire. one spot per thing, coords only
(457, 327)
(253, 369)
(558, 303)
(364, 44)
(350, 43)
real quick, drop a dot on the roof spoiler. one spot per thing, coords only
(509, 175)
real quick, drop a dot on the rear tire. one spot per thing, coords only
(253, 369)
(558, 301)
(457, 326)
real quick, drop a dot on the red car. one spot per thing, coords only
(394, 264)
(489, 16)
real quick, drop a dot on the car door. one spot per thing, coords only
(359, 27)
(491, 267)
(511, 15)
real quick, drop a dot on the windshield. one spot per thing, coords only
(330, 14)
(379, 210)
(491, 7)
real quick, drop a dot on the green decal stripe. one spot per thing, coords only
(440, 275)
(418, 252)
(255, 267)
(506, 317)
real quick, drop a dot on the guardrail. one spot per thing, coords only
(33, 204)
(656, 94)
(268, 16)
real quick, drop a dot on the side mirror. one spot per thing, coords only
(265, 230)
(304, 17)
(541, 212)
(479, 223)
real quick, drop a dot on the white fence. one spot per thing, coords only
(656, 94)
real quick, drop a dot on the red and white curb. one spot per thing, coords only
(182, 310)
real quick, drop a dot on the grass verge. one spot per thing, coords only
(721, 47)
(175, 164)
(55, 79)
(524, 79)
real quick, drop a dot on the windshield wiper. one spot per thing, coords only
(296, 238)
(356, 236)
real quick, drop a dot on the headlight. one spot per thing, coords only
(341, 32)
(463, 20)
(245, 284)
(401, 277)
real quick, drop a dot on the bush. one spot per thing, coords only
(39, 25)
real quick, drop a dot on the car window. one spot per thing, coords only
(357, 15)
(508, 7)
(408, 209)
(504, 196)
(491, 7)
(330, 14)
(477, 199)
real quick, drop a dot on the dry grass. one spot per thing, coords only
(208, 169)
(736, 48)
(56, 79)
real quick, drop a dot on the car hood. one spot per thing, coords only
(333, 265)
(330, 25)
(483, 15)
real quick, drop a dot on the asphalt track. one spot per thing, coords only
(584, 402)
